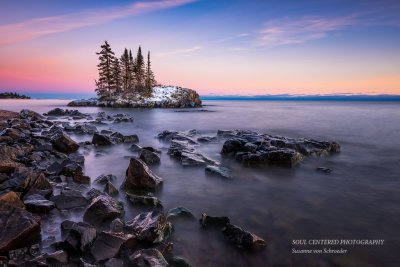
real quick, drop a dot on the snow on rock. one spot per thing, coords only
(161, 97)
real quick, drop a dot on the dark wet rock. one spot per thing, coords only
(81, 179)
(179, 262)
(221, 171)
(93, 193)
(48, 241)
(56, 112)
(117, 137)
(9, 155)
(253, 148)
(18, 228)
(108, 244)
(27, 113)
(114, 262)
(151, 226)
(165, 248)
(85, 128)
(11, 198)
(110, 189)
(46, 193)
(107, 132)
(101, 209)
(69, 199)
(226, 133)
(138, 174)
(130, 138)
(169, 135)
(179, 212)
(57, 258)
(80, 235)
(135, 147)
(62, 142)
(104, 179)
(324, 169)
(77, 158)
(207, 139)
(117, 226)
(13, 133)
(83, 103)
(42, 144)
(207, 220)
(147, 258)
(37, 203)
(148, 156)
(70, 168)
(144, 200)
(101, 140)
(242, 238)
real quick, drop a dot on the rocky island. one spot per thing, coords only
(9, 95)
(129, 82)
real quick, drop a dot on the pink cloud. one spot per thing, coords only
(295, 31)
(34, 28)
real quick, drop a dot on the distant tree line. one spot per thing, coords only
(124, 75)
(13, 95)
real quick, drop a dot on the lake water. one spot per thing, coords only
(359, 199)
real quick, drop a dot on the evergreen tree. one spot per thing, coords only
(116, 72)
(106, 82)
(150, 81)
(125, 71)
(139, 70)
(132, 82)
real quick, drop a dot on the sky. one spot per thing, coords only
(233, 47)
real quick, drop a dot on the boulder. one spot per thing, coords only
(147, 258)
(223, 172)
(101, 140)
(151, 226)
(56, 112)
(138, 174)
(37, 203)
(130, 138)
(104, 179)
(117, 226)
(80, 235)
(101, 209)
(69, 199)
(18, 228)
(11, 198)
(57, 258)
(81, 179)
(207, 220)
(148, 156)
(179, 212)
(77, 158)
(242, 238)
(34, 116)
(144, 200)
(110, 189)
(114, 262)
(108, 244)
(63, 143)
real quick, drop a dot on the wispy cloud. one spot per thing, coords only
(295, 31)
(180, 51)
(240, 35)
(237, 49)
(34, 28)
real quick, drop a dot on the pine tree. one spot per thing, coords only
(106, 81)
(116, 72)
(132, 82)
(139, 70)
(125, 71)
(150, 81)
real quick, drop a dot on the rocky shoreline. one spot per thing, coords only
(42, 180)
(162, 97)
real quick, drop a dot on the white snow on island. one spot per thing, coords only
(161, 97)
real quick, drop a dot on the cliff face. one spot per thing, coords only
(162, 97)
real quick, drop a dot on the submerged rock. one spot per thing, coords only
(207, 220)
(148, 258)
(138, 174)
(18, 228)
(179, 212)
(143, 200)
(148, 156)
(242, 238)
(224, 172)
(101, 140)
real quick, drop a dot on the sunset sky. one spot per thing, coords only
(215, 47)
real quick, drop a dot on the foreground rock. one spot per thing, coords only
(79, 235)
(108, 244)
(101, 209)
(147, 258)
(18, 228)
(151, 226)
(139, 175)
(253, 148)
(242, 238)
(162, 97)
